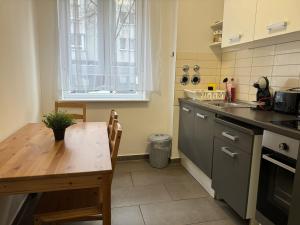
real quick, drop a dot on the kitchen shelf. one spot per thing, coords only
(215, 44)
(217, 25)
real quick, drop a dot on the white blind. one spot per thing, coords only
(106, 48)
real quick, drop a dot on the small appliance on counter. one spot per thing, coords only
(287, 101)
(263, 94)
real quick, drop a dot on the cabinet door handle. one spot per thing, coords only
(229, 136)
(201, 116)
(235, 38)
(186, 109)
(277, 26)
(228, 152)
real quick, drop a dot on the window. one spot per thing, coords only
(103, 49)
(123, 43)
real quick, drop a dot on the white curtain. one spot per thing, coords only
(109, 46)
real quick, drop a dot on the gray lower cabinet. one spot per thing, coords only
(186, 130)
(204, 137)
(230, 176)
(196, 136)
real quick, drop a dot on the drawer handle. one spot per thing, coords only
(186, 109)
(228, 152)
(201, 116)
(229, 136)
(235, 38)
(277, 26)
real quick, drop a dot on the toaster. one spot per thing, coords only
(287, 101)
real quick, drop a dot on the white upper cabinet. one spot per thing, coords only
(239, 21)
(275, 17)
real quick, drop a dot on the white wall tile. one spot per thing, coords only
(286, 70)
(287, 59)
(285, 82)
(242, 96)
(242, 80)
(241, 88)
(242, 71)
(261, 71)
(263, 61)
(264, 51)
(228, 64)
(243, 62)
(289, 47)
(244, 53)
(227, 72)
(280, 63)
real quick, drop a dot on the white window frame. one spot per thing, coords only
(106, 95)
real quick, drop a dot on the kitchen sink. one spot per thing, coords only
(222, 104)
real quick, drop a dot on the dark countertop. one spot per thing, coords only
(251, 116)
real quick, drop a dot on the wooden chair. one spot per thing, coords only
(76, 205)
(113, 116)
(73, 105)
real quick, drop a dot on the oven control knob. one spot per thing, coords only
(283, 147)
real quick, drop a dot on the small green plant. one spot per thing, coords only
(58, 120)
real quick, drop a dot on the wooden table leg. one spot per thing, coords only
(106, 200)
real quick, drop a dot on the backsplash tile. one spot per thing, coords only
(263, 61)
(287, 59)
(244, 53)
(243, 62)
(264, 51)
(280, 63)
(289, 47)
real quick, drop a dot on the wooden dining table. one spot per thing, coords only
(31, 161)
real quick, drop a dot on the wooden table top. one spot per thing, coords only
(33, 153)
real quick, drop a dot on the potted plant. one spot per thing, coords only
(58, 122)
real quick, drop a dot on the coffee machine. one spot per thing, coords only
(263, 94)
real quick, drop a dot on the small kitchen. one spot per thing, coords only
(244, 149)
(205, 94)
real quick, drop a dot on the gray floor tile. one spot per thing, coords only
(130, 196)
(132, 166)
(168, 175)
(182, 212)
(222, 222)
(122, 180)
(120, 216)
(186, 190)
(127, 216)
(139, 165)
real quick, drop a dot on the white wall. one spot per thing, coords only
(19, 80)
(194, 20)
(139, 120)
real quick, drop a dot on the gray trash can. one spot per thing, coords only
(160, 150)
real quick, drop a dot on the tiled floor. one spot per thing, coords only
(142, 195)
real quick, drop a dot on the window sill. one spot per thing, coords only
(104, 100)
(136, 97)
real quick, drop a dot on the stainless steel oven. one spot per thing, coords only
(277, 171)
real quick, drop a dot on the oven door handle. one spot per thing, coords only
(280, 164)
